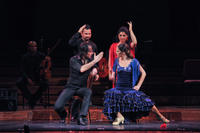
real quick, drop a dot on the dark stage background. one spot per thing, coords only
(167, 31)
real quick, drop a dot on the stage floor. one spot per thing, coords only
(41, 120)
(52, 126)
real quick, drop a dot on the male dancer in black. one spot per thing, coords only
(81, 66)
(84, 34)
(30, 68)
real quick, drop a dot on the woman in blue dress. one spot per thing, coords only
(125, 101)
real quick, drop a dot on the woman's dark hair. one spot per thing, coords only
(126, 31)
(126, 49)
(83, 50)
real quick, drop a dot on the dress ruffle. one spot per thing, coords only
(126, 101)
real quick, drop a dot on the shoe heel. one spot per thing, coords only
(165, 120)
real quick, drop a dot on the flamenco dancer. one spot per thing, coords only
(126, 101)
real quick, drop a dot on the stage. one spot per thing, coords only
(55, 126)
(183, 119)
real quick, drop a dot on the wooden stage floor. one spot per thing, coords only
(41, 120)
(97, 127)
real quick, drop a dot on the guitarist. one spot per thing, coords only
(30, 74)
(84, 34)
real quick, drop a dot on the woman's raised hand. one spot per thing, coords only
(130, 25)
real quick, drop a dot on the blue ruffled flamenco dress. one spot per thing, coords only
(132, 104)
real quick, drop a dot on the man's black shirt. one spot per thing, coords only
(76, 78)
(30, 65)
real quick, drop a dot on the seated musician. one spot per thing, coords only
(30, 68)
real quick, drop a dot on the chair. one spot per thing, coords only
(42, 99)
(191, 71)
(191, 75)
(89, 85)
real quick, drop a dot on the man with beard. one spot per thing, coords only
(84, 34)
(81, 65)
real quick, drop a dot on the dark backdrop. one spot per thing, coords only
(167, 31)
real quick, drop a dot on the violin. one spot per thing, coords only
(90, 80)
(45, 66)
